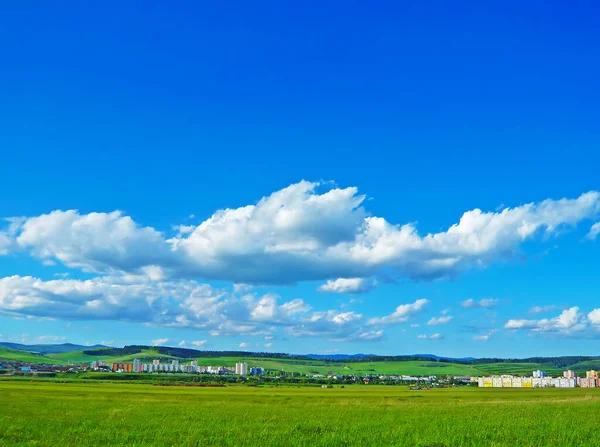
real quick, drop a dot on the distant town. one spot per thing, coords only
(540, 379)
(241, 370)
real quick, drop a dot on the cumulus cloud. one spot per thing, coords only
(160, 341)
(569, 321)
(594, 317)
(306, 231)
(485, 303)
(440, 320)
(594, 231)
(348, 285)
(430, 337)
(268, 345)
(402, 313)
(198, 343)
(180, 304)
(244, 345)
(94, 242)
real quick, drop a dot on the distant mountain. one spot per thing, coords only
(338, 357)
(49, 349)
(354, 357)
(448, 359)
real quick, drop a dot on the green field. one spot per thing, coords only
(50, 414)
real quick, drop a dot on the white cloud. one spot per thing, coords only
(348, 285)
(244, 345)
(370, 335)
(160, 341)
(268, 345)
(5, 243)
(242, 288)
(431, 337)
(107, 342)
(401, 314)
(542, 309)
(594, 231)
(484, 337)
(594, 317)
(485, 303)
(198, 343)
(306, 231)
(174, 304)
(94, 242)
(440, 320)
(569, 321)
(415, 325)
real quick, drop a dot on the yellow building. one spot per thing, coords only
(593, 373)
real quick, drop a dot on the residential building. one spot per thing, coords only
(569, 374)
(241, 369)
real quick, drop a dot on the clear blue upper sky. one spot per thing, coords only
(170, 113)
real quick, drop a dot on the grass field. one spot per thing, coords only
(122, 414)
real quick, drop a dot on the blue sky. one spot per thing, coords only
(287, 179)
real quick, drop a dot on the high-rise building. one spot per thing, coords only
(593, 373)
(156, 362)
(137, 366)
(539, 374)
(241, 369)
(569, 374)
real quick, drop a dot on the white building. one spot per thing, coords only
(241, 369)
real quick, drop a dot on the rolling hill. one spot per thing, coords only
(420, 365)
(48, 349)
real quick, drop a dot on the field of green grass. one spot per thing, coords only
(50, 414)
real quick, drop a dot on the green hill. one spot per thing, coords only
(304, 365)
(23, 356)
(145, 355)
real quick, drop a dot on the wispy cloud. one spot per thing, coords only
(430, 337)
(485, 303)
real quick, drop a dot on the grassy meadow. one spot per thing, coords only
(72, 414)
